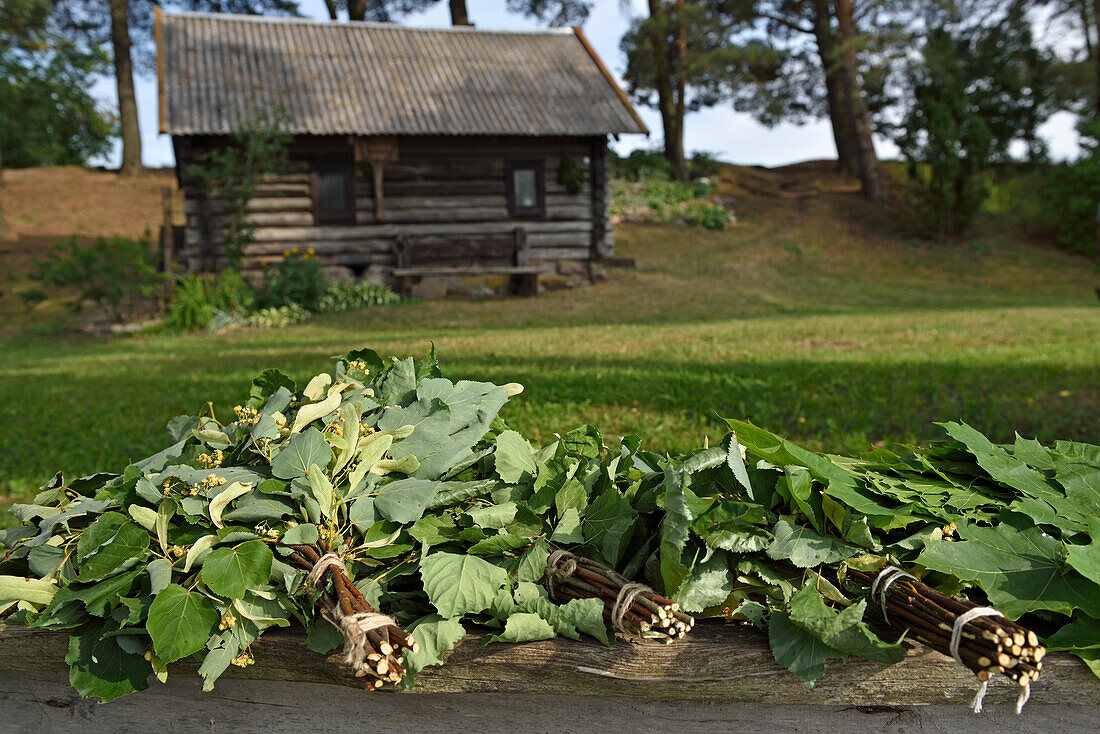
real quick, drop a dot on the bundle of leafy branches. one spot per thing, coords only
(388, 509)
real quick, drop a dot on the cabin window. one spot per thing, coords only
(333, 191)
(526, 189)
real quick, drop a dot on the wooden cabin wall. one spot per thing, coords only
(439, 188)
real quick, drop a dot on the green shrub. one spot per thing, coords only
(277, 317)
(199, 298)
(702, 213)
(669, 202)
(704, 164)
(296, 279)
(642, 165)
(355, 296)
(118, 275)
(1072, 193)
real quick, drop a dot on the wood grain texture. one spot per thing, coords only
(44, 702)
(716, 662)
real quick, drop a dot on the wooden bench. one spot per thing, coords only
(720, 678)
(508, 255)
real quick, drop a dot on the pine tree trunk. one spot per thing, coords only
(843, 132)
(459, 16)
(1094, 54)
(672, 120)
(357, 9)
(3, 222)
(679, 159)
(330, 6)
(127, 100)
(870, 173)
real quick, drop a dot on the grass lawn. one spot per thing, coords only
(812, 317)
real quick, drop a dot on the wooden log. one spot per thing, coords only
(716, 662)
(329, 233)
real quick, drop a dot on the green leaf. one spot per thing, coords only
(495, 545)
(449, 421)
(1082, 633)
(101, 598)
(111, 547)
(514, 458)
(796, 649)
(675, 529)
(99, 668)
(309, 413)
(404, 501)
(304, 534)
(180, 622)
(33, 591)
(254, 507)
(587, 616)
(160, 574)
(523, 627)
(222, 649)
(1085, 559)
(460, 584)
(433, 530)
(143, 516)
(568, 529)
(583, 441)
(232, 571)
(220, 502)
(322, 490)
(843, 631)
(198, 551)
(706, 585)
(571, 496)
(805, 548)
(301, 452)
(494, 516)
(434, 636)
(532, 564)
(1021, 569)
(608, 524)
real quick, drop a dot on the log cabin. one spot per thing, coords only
(451, 151)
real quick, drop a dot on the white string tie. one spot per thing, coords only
(624, 601)
(953, 648)
(892, 574)
(324, 563)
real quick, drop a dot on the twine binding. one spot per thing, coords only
(953, 648)
(624, 601)
(892, 574)
(324, 563)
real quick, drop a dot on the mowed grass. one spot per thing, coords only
(813, 317)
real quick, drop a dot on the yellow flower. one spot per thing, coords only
(311, 251)
(294, 250)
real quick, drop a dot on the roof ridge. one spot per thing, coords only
(292, 20)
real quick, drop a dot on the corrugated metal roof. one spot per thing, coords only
(382, 79)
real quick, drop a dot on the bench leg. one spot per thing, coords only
(525, 285)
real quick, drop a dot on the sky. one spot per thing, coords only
(730, 136)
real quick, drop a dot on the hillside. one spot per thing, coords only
(48, 205)
(815, 316)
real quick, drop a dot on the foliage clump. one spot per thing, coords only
(117, 275)
(340, 297)
(231, 173)
(1070, 195)
(297, 278)
(443, 517)
(199, 298)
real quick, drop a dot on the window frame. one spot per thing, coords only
(322, 164)
(538, 211)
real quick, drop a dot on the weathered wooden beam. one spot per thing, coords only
(715, 662)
